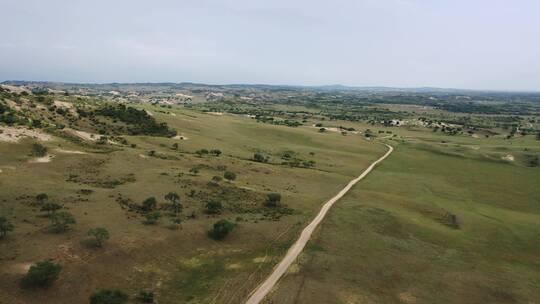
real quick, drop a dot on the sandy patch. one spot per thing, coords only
(40, 160)
(259, 259)
(13, 105)
(215, 113)
(83, 135)
(173, 114)
(69, 151)
(407, 297)
(63, 104)
(149, 113)
(19, 268)
(143, 156)
(14, 134)
(234, 266)
(474, 135)
(15, 89)
(508, 157)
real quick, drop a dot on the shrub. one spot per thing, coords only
(39, 150)
(228, 175)
(213, 207)
(221, 229)
(273, 199)
(42, 274)
(42, 198)
(259, 158)
(109, 296)
(100, 235)
(62, 220)
(149, 204)
(152, 218)
(146, 297)
(215, 152)
(5, 226)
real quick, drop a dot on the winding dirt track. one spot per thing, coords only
(262, 290)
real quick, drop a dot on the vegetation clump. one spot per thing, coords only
(138, 121)
(61, 221)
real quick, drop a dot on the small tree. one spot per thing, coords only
(109, 296)
(221, 229)
(174, 198)
(42, 198)
(273, 199)
(213, 207)
(62, 220)
(230, 176)
(42, 274)
(215, 152)
(50, 208)
(149, 204)
(100, 235)
(152, 218)
(5, 226)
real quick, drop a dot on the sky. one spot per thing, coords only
(473, 44)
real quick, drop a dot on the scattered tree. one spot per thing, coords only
(221, 229)
(213, 207)
(149, 204)
(100, 235)
(174, 198)
(5, 226)
(273, 199)
(109, 296)
(215, 152)
(62, 220)
(228, 175)
(50, 208)
(42, 274)
(42, 198)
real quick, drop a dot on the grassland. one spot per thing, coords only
(450, 217)
(179, 266)
(391, 240)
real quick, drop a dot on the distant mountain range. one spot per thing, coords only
(268, 87)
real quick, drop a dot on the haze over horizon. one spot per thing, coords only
(395, 43)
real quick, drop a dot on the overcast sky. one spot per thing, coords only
(482, 44)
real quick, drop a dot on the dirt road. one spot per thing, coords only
(262, 290)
